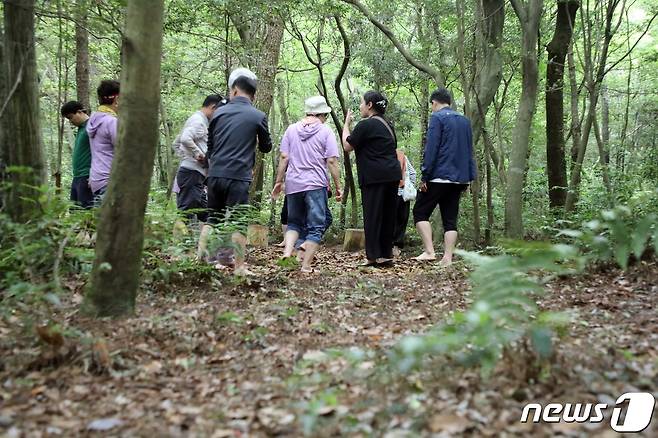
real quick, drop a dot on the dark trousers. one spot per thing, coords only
(192, 195)
(401, 218)
(379, 202)
(81, 193)
(224, 193)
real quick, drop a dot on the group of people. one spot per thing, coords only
(217, 146)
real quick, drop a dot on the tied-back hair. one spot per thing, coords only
(379, 102)
(107, 91)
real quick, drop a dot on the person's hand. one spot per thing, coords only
(338, 194)
(276, 190)
(348, 116)
(200, 157)
(423, 186)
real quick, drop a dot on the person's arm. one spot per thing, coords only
(283, 165)
(264, 138)
(431, 148)
(471, 159)
(113, 130)
(347, 147)
(334, 170)
(280, 175)
(188, 137)
(211, 137)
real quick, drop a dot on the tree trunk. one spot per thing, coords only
(593, 80)
(557, 49)
(268, 62)
(82, 54)
(21, 114)
(115, 274)
(576, 126)
(529, 14)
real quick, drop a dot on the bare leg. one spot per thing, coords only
(425, 230)
(283, 231)
(289, 240)
(240, 253)
(449, 244)
(202, 249)
(310, 248)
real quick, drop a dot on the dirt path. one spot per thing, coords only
(213, 356)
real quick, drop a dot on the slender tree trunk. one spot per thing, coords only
(21, 114)
(266, 71)
(115, 274)
(602, 159)
(61, 87)
(576, 126)
(529, 14)
(82, 53)
(557, 49)
(594, 79)
(605, 123)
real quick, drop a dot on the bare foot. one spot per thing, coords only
(281, 244)
(396, 251)
(425, 257)
(308, 270)
(445, 263)
(242, 271)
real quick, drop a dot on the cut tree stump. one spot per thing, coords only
(355, 239)
(257, 235)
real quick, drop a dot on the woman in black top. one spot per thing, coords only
(373, 142)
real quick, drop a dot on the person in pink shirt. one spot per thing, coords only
(308, 149)
(102, 130)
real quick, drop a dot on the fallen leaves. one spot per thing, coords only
(258, 356)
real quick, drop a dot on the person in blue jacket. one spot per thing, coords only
(448, 168)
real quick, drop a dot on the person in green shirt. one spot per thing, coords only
(81, 193)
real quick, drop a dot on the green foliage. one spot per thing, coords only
(616, 235)
(504, 310)
(34, 255)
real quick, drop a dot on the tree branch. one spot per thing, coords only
(433, 72)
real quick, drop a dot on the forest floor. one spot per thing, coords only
(211, 355)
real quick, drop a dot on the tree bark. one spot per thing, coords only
(529, 15)
(82, 54)
(557, 49)
(115, 274)
(268, 62)
(20, 112)
(593, 79)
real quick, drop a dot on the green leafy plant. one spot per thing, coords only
(617, 235)
(504, 309)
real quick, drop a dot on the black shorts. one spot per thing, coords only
(224, 193)
(447, 196)
(192, 195)
(81, 193)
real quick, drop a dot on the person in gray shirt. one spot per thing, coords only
(191, 146)
(232, 135)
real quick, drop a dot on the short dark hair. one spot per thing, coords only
(379, 102)
(212, 99)
(107, 91)
(71, 107)
(441, 95)
(246, 85)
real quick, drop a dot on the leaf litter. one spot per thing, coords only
(287, 354)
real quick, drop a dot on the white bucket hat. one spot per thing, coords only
(241, 71)
(316, 105)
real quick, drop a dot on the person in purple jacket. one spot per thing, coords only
(102, 130)
(308, 150)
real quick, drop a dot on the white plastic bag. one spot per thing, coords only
(408, 191)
